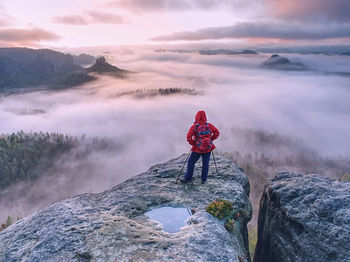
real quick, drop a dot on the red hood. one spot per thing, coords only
(201, 118)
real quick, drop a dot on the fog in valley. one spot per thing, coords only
(310, 109)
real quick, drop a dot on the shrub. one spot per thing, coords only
(242, 213)
(220, 208)
(2, 227)
(9, 222)
(230, 225)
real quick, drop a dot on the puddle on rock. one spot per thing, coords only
(171, 218)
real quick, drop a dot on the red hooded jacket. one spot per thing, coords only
(201, 119)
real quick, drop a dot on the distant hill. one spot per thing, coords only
(309, 49)
(23, 68)
(282, 63)
(227, 52)
(84, 59)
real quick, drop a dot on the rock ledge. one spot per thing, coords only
(111, 226)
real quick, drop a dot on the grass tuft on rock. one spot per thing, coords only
(220, 208)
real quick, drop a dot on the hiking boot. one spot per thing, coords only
(184, 181)
(203, 182)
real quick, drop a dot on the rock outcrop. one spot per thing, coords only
(304, 218)
(282, 63)
(112, 226)
(101, 66)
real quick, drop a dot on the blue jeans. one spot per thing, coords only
(192, 161)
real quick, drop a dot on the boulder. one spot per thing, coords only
(304, 218)
(112, 225)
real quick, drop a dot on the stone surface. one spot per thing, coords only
(304, 218)
(111, 226)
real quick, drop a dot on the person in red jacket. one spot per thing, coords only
(201, 136)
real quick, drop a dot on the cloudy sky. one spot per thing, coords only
(73, 23)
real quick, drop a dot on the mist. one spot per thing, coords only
(234, 90)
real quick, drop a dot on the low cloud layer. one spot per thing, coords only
(29, 36)
(90, 17)
(236, 93)
(265, 30)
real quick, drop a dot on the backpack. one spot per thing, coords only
(203, 134)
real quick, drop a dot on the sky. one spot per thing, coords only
(75, 23)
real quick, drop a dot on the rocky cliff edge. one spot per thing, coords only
(112, 226)
(304, 218)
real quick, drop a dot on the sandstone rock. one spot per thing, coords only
(111, 226)
(101, 66)
(304, 218)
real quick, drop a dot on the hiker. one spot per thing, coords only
(201, 136)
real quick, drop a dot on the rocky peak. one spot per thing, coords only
(101, 61)
(304, 218)
(102, 66)
(112, 225)
(282, 63)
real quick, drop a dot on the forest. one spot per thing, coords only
(27, 156)
(25, 68)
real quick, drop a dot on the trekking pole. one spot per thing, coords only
(217, 172)
(188, 155)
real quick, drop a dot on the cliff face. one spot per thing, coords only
(112, 226)
(304, 218)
